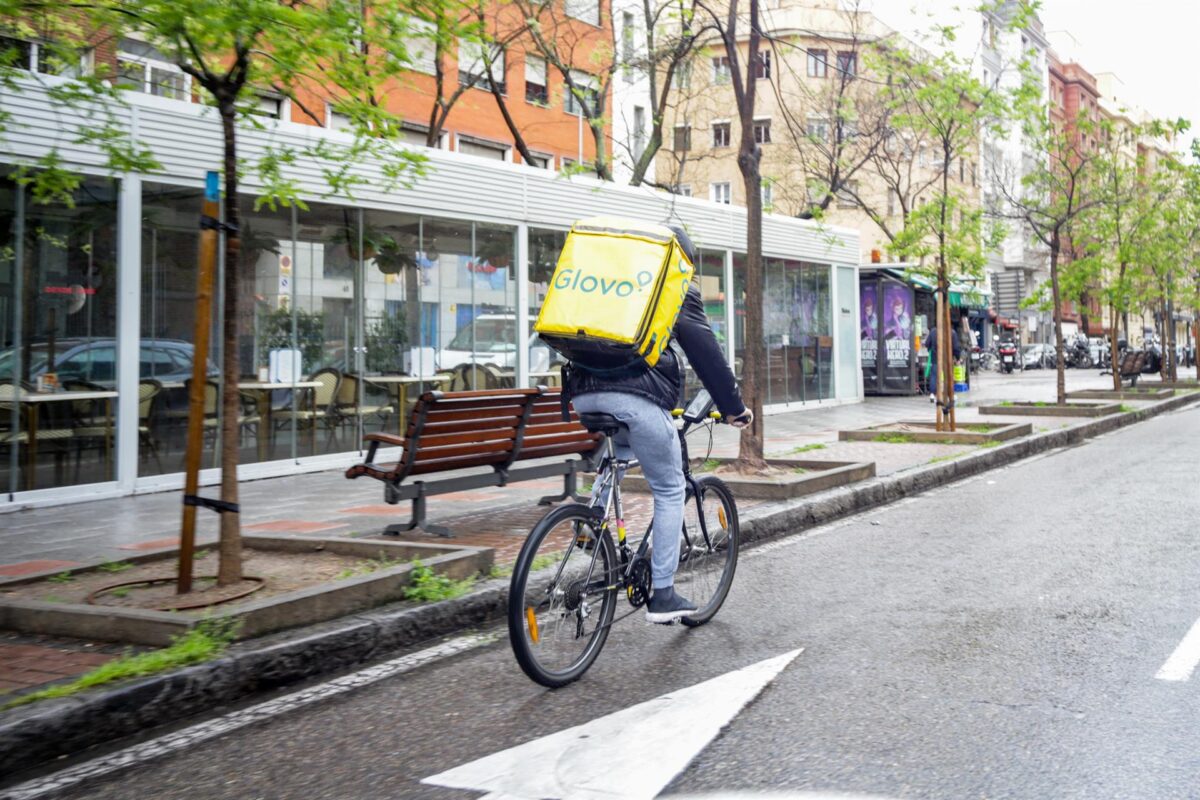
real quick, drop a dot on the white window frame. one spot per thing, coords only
(583, 10)
(817, 121)
(473, 50)
(586, 80)
(682, 189)
(762, 124)
(422, 52)
(284, 105)
(721, 192)
(544, 78)
(549, 160)
(721, 125)
(490, 144)
(148, 66)
(817, 67)
(722, 70)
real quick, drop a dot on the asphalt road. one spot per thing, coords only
(996, 638)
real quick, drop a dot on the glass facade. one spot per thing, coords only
(797, 329)
(58, 354)
(345, 316)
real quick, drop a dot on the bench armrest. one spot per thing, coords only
(385, 438)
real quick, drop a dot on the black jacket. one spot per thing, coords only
(662, 384)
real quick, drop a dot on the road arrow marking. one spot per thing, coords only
(633, 753)
(1181, 663)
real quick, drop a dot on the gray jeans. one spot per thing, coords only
(653, 441)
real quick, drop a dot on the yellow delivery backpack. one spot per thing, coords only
(615, 294)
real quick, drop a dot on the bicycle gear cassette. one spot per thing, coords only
(638, 590)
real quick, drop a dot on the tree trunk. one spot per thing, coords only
(1114, 352)
(750, 448)
(1059, 363)
(230, 567)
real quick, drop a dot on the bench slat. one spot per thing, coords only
(436, 440)
(434, 417)
(447, 464)
(423, 453)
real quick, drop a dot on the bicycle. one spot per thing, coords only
(569, 574)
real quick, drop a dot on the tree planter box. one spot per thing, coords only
(927, 432)
(1124, 394)
(315, 603)
(803, 477)
(1053, 409)
(1154, 385)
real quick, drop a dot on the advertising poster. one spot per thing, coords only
(897, 313)
(868, 333)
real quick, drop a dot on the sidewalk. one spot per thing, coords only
(326, 503)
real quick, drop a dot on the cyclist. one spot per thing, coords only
(642, 398)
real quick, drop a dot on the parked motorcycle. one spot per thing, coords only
(1008, 355)
(1078, 353)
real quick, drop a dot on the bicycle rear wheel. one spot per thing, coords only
(708, 556)
(562, 596)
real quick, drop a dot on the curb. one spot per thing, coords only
(33, 735)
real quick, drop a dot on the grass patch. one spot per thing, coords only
(427, 586)
(1007, 404)
(202, 643)
(709, 466)
(799, 471)
(1126, 408)
(940, 459)
(894, 438)
(978, 428)
(993, 443)
(114, 566)
(367, 566)
(808, 448)
(62, 577)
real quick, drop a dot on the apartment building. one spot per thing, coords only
(1021, 264)
(547, 115)
(815, 61)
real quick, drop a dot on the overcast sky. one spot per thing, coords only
(1152, 45)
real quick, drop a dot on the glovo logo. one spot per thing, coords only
(580, 281)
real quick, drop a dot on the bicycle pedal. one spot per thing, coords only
(585, 543)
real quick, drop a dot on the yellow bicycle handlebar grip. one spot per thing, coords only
(714, 414)
(676, 412)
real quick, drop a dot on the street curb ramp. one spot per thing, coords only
(33, 735)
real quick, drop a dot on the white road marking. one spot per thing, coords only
(652, 743)
(186, 738)
(1181, 663)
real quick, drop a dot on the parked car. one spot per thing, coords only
(1038, 356)
(492, 339)
(95, 360)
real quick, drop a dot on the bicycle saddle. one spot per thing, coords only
(597, 422)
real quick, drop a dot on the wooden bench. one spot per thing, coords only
(450, 431)
(1131, 366)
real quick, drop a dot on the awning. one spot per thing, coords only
(962, 295)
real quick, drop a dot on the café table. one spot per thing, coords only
(33, 402)
(261, 391)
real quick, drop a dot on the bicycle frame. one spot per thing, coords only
(608, 484)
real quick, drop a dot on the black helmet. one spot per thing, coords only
(685, 242)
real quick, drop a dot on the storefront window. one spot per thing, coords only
(796, 329)
(170, 249)
(58, 312)
(710, 278)
(544, 248)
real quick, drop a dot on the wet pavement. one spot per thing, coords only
(998, 637)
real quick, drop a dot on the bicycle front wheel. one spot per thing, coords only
(562, 596)
(709, 551)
